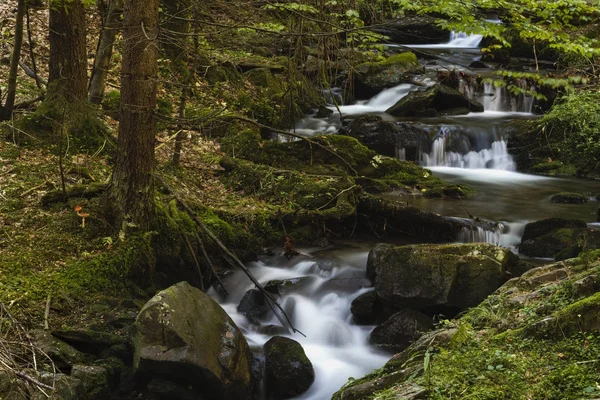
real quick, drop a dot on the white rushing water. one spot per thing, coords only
(496, 157)
(320, 308)
(458, 40)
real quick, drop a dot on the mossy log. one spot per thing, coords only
(76, 191)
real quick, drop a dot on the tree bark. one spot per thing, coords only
(131, 191)
(105, 48)
(7, 109)
(68, 56)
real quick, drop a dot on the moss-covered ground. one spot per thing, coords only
(537, 337)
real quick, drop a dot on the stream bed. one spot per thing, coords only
(467, 149)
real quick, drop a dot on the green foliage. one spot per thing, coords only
(573, 126)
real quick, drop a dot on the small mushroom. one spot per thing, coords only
(78, 210)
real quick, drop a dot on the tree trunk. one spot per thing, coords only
(104, 52)
(6, 111)
(131, 192)
(68, 56)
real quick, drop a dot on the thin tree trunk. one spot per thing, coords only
(104, 52)
(38, 80)
(6, 111)
(180, 134)
(131, 192)
(68, 56)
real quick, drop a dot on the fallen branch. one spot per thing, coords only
(31, 73)
(25, 193)
(193, 253)
(79, 191)
(233, 260)
(210, 264)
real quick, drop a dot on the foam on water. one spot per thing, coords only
(337, 348)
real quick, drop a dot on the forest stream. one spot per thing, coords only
(321, 283)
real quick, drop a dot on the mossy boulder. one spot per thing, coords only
(66, 387)
(435, 100)
(553, 236)
(61, 353)
(94, 379)
(183, 335)
(387, 137)
(400, 330)
(288, 372)
(369, 309)
(372, 77)
(434, 277)
(569, 198)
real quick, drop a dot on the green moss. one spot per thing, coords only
(405, 61)
(568, 197)
(56, 117)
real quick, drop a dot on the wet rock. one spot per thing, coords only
(438, 277)
(272, 330)
(415, 29)
(400, 330)
(283, 287)
(253, 306)
(94, 379)
(368, 309)
(162, 389)
(569, 198)
(478, 65)
(184, 336)
(63, 355)
(372, 77)
(323, 112)
(435, 100)
(386, 137)
(288, 372)
(549, 237)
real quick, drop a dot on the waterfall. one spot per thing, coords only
(461, 39)
(493, 157)
(478, 234)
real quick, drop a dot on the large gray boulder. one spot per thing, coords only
(288, 372)
(430, 276)
(183, 335)
(434, 101)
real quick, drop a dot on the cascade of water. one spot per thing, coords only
(493, 157)
(319, 306)
(461, 39)
(479, 234)
(498, 98)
